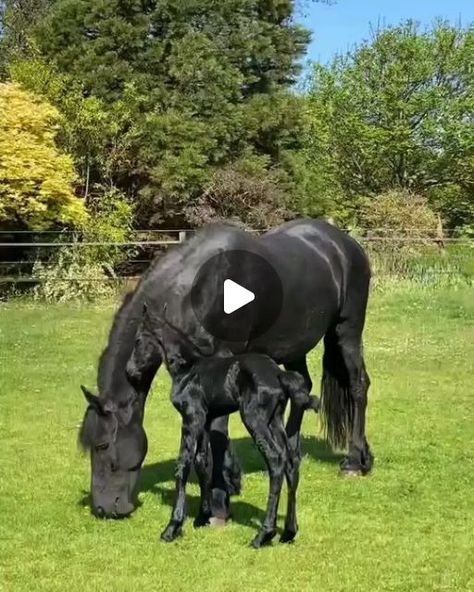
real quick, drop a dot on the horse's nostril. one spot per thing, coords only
(100, 512)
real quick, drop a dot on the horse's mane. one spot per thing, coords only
(112, 362)
(111, 378)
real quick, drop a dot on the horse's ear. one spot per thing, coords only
(92, 400)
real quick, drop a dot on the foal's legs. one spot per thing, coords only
(191, 430)
(275, 459)
(203, 466)
(300, 366)
(292, 471)
(225, 469)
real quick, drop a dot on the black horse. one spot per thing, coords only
(208, 387)
(325, 277)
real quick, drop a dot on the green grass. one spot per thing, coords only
(409, 526)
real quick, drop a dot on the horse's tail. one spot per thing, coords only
(296, 389)
(337, 406)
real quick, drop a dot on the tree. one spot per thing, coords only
(17, 20)
(187, 87)
(36, 179)
(397, 113)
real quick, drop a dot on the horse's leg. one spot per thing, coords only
(191, 431)
(275, 459)
(292, 471)
(345, 384)
(203, 466)
(301, 367)
(225, 470)
(359, 459)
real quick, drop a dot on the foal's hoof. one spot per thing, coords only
(288, 536)
(263, 538)
(216, 522)
(171, 533)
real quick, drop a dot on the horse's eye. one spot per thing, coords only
(102, 446)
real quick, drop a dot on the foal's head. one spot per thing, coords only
(177, 350)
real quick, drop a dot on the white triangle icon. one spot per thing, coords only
(235, 296)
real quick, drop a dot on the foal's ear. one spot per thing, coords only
(92, 400)
(152, 320)
(125, 412)
(231, 383)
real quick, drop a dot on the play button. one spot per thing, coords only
(236, 296)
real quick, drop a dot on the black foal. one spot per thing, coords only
(206, 388)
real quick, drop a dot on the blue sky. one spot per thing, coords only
(338, 27)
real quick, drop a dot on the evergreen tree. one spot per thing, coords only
(192, 86)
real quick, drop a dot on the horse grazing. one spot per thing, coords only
(325, 279)
(206, 388)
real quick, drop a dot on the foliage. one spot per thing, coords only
(179, 89)
(252, 198)
(110, 220)
(168, 101)
(396, 217)
(70, 277)
(35, 177)
(90, 132)
(17, 21)
(82, 271)
(397, 113)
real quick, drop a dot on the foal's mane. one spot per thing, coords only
(162, 319)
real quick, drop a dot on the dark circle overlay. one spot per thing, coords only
(250, 271)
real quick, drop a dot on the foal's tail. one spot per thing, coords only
(337, 406)
(296, 389)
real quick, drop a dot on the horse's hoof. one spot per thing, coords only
(351, 473)
(202, 520)
(216, 522)
(315, 403)
(263, 538)
(288, 536)
(171, 533)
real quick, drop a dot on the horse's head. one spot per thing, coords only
(113, 433)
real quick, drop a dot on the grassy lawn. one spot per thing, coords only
(409, 526)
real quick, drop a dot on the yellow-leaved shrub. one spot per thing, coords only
(36, 178)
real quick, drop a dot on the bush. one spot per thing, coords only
(398, 218)
(252, 198)
(69, 278)
(404, 240)
(84, 273)
(110, 221)
(36, 179)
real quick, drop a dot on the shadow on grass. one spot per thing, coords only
(249, 457)
(251, 461)
(153, 475)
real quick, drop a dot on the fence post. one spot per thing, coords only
(182, 236)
